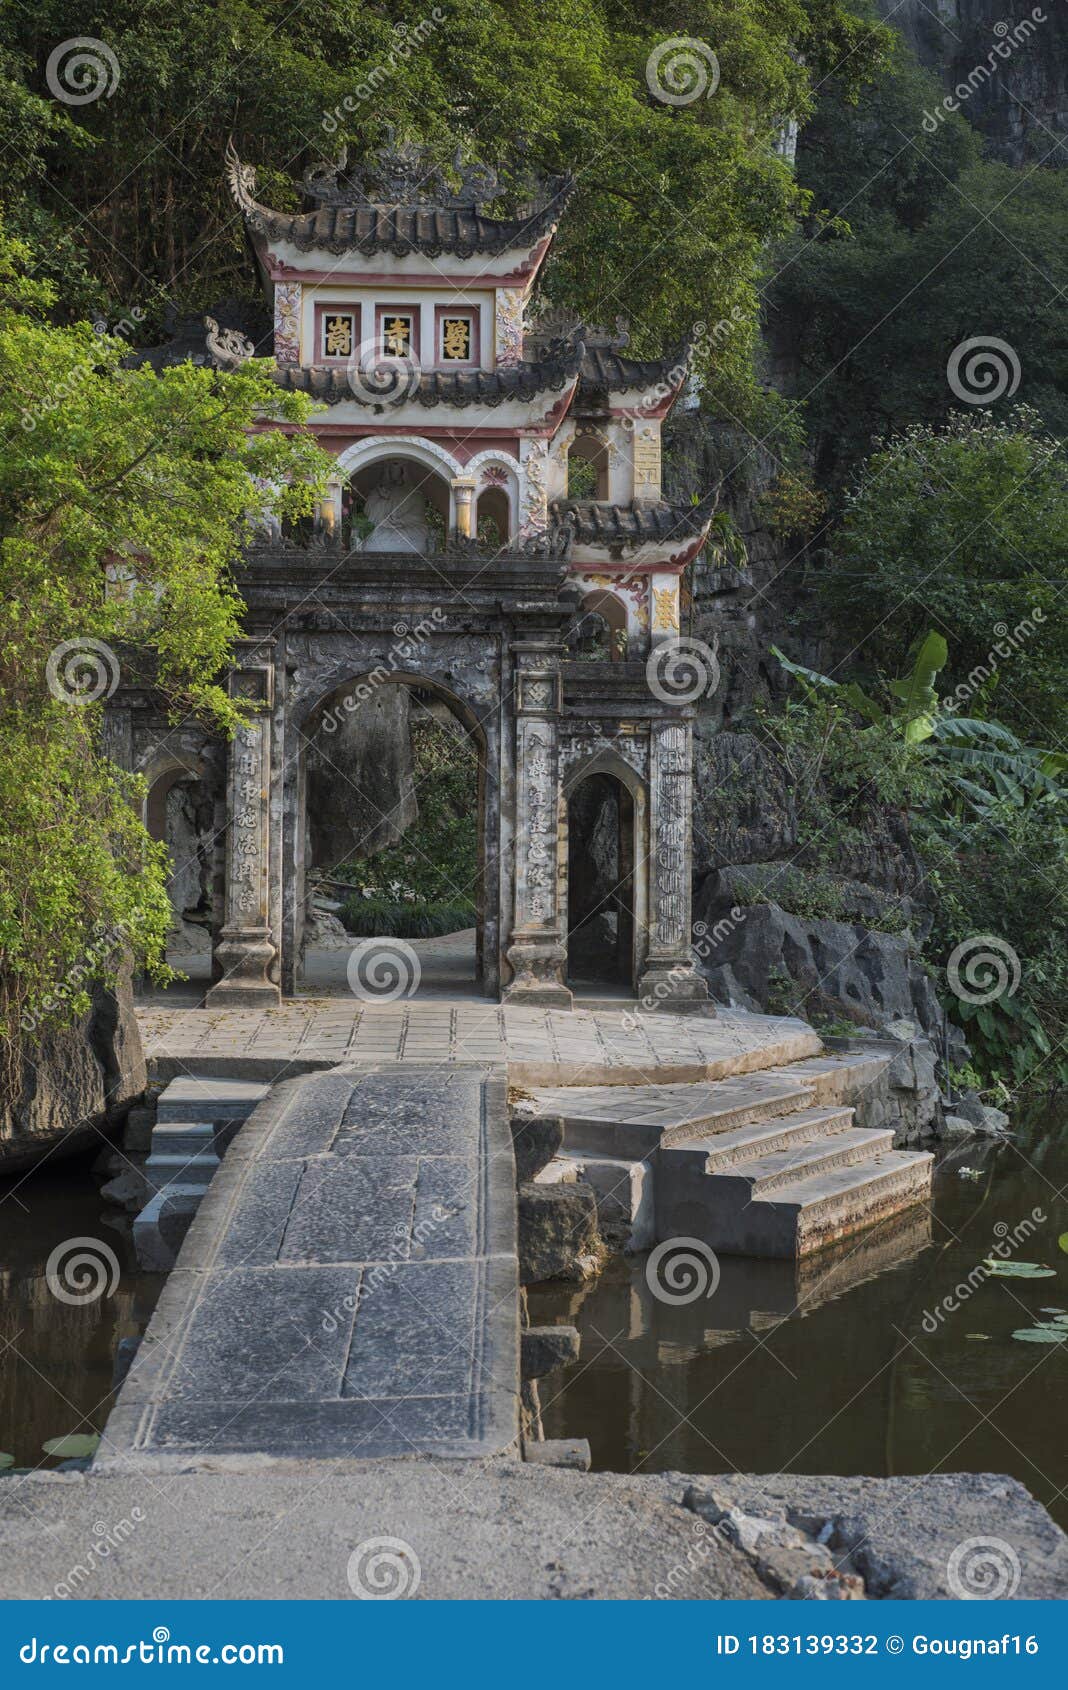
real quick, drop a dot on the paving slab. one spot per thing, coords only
(538, 1047)
(349, 1286)
(500, 1530)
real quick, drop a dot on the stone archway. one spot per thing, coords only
(607, 875)
(180, 812)
(372, 713)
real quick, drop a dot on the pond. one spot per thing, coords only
(59, 1339)
(852, 1363)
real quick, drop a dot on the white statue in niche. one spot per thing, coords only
(398, 510)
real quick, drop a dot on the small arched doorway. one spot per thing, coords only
(393, 842)
(181, 811)
(602, 914)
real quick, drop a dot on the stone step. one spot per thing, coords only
(810, 1213)
(636, 1120)
(196, 1097)
(183, 1138)
(723, 1152)
(836, 1076)
(799, 1162)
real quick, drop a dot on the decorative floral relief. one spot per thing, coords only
(287, 307)
(509, 325)
(535, 500)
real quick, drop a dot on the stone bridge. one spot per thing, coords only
(348, 1287)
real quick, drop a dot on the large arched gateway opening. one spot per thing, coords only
(605, 888)
(393, 844)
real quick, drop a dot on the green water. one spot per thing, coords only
(57, 1357)
(833, 1368)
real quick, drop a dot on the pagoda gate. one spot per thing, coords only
(449, 556)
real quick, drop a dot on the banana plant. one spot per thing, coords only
(985, 761)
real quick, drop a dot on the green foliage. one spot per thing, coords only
(435, 863)
(997, 867)
(674, 204)
(124, 500)
(965, 526)
(921, 245)
(808, 892)
(368, 918)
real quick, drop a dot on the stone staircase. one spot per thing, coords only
(767, 1163)
(196, 1116)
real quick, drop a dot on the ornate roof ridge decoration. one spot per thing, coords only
(401, 173)
(228, 348)
(343, 224)
(605, 369)
(524, 381)
(559, 323)
(598, 523)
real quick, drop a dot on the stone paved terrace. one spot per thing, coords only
(538, 1046)
(349, 1287)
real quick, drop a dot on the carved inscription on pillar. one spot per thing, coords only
(247, 890)
(671, 818)
(536, 870)
(245, 950)
(536, 953)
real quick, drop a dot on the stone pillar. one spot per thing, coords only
(245, 950)
(463, 488)
(669, 979)
(538, 951)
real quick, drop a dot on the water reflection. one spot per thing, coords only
(826, 1366)
(57, 1358)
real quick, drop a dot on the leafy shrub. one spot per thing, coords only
(372, 918)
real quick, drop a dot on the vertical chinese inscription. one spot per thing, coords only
(670, 819)
(248, 867)
(537, 836)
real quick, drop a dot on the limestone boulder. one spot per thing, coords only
(73, 1081)
(557, 1232)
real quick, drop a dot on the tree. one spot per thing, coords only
(674, 202)
(915, 246)
(124, 500)
(964, 527)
